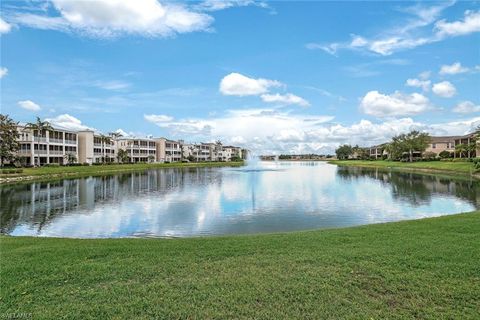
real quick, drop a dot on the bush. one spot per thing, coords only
(429, 156)
(52, 165)
(445, 154)
(11, 171)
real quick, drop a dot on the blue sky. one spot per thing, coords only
(272, 76)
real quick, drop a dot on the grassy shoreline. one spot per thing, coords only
(444, 167)
(412, 269)
(47, 173)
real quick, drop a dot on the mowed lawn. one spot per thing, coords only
(105, 169)
(416, 269)
(452, 166)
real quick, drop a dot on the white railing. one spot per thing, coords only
(53, 140)
(56, 152)
(40, 152)
(70, 141)
(40, 139)
(24, 151)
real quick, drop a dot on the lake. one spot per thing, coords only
(188, 202)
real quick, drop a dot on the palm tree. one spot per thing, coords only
(115, 136)
(460, 149)
(41, 127)
(104, 140)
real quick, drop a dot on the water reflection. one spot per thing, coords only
(284, 196)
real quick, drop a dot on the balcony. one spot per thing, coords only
(71, 142)
(53, 140)
(56, 152)
(24, 152)
(40, 139)
(38, 152)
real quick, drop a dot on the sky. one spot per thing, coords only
(274, 77)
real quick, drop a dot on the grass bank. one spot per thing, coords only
(448, 167)
(45, 173)
(414, 269)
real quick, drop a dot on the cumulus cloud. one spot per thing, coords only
(68, 122)
(29, 105)
(215, 5)
(444, 89)
(285, 132)
(5, 27)
(397, 104)
(111, 18)
(466, 107)
(453, 69)
(3, 72)
(424, 84)
(157, 118)
(236, 84)
(469, 24)
(285, 99)
(416, 31)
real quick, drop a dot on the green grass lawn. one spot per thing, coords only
(78, 171)
(426, 269)
(459, 167)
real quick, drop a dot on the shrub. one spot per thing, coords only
(429, 156)
(52, 165)
(445, 154)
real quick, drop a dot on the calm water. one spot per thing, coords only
(272, 197)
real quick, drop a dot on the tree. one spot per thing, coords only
(104, 140)
(41, 127)
(8, 139)
(344, 151)
(70, 158)
(122, 156)
(361, 153)
(151, 158)
(461, 149)
(445, 154)
(414, 141)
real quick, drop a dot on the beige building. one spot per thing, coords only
(168, 150)
(138, 149)
(93, 149)
(439, 144)
(48, 147)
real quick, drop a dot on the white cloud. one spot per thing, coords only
(68, 122)
(111, 18)
(416, 31)
(285, 132)
(156, 118)
(466, 107)
(29, 105)
(444, 89)
(112, 85)
(398, 104)
(285, 99)
(3, 72)
(424, 84)
(215, 5)
(236, 84)
(453, 69)
(470, 23)
(5, 27)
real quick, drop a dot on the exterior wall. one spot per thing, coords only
(439, 144)
(85, 147)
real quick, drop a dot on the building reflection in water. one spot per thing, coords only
(199, 201)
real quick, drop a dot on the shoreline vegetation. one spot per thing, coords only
(464, 168)
(60, 172)
(424, 268)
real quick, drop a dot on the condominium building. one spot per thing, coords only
(49, 146)
(168, 150)
(439, 144)
(95, 148)
(138, 149)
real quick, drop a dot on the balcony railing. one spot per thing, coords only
(70, 141)
(37, 152)
(56, 152)
(40, 139)
(53, 140)
(24, 151)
